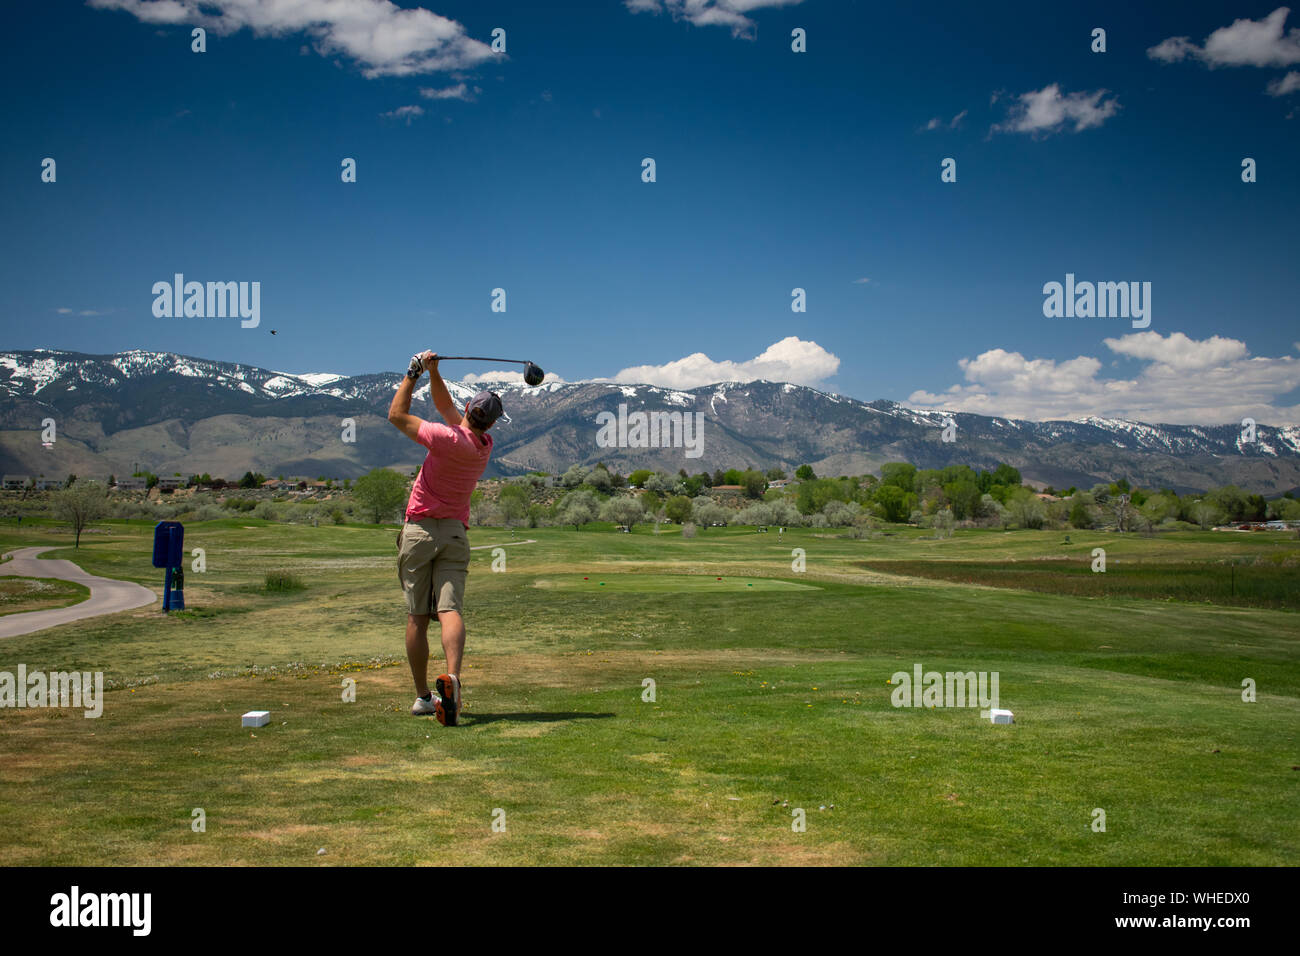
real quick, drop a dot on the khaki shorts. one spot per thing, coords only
(432, 563)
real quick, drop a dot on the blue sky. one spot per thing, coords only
(775, 170)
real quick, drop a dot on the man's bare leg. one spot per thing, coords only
(453, 640)
(417, 650)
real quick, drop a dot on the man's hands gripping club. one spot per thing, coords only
(419, 362)
(399, 413)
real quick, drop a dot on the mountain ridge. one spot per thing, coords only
(170, 412)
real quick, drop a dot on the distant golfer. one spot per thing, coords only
(433, 545)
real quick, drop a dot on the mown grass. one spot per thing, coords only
(1264, 582)
(20, 595)
(766, 699)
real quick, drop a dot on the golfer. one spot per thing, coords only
(433, 545)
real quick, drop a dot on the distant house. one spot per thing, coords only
(15, 482)
(132, 484)
(304, 486)
(172, 483)
(779, 483)
(48, 484)
(274, 483)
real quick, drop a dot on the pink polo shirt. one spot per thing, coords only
(455, 461)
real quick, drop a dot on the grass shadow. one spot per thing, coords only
(534, 716)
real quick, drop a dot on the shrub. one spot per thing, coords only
(839, 514)
(282, 580)
(678, 508)
(865, 525)
(756, 514)
(785, 514)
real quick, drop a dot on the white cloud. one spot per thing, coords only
(383, 38)
(863, 281)
(938, 122)
(790, 360)
(407, 113)
(1284, 85)
(1261, 43)
(1173, 49)
(710, 13)
(458, 92)
(1047, 111)
(1178, 351)
(500, 376)
(1182, 381)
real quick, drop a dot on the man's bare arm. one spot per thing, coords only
(399, 411)
(442, 399)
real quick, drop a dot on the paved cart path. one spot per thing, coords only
(107, 596)
(503, 544)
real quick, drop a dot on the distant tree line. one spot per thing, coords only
(937, 498)
(940, 498)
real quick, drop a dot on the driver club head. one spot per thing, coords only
(533, 375)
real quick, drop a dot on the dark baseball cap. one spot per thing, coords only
(484, 409)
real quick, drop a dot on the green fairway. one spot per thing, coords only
(1266, 581)
(668, 583)
(664, 717)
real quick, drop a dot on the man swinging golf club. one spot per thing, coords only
(433, 545)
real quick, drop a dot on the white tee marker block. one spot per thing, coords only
(256, 718)
(1001, 716)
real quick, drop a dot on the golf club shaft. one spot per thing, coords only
(533, 374)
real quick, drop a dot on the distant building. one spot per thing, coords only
(274, 483)
(15, 482)
(48, 484)
(779, 483)
(729, 489)
(172, 483)
(132, 484)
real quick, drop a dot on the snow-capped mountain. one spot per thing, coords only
(172, 413)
